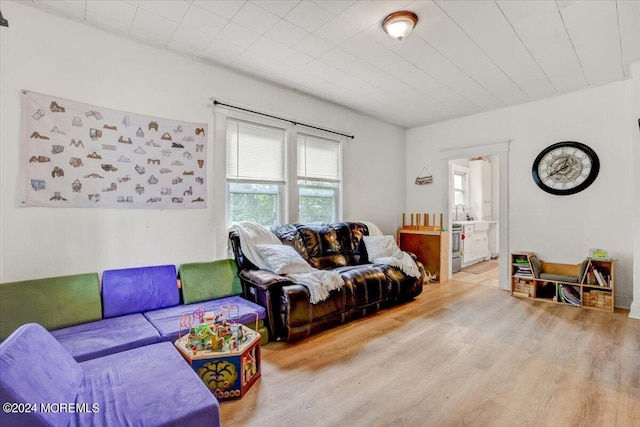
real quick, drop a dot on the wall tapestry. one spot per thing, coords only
(81, 155)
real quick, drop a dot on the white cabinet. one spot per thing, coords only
(480, 245)
(476, 242)
(480, 240)
(467, 244)
(480, 189)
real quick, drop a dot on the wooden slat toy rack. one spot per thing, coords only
(422, 222)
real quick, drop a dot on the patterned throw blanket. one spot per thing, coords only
(319, 282)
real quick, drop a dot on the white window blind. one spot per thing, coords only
(318, 158)
(255, 152)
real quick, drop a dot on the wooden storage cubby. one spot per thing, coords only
(430, 247)
(591, 287)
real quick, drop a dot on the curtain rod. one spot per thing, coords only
(215, 102)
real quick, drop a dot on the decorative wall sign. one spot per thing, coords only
(81, 155)
(424, 177)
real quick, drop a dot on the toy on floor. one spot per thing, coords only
(214, 331)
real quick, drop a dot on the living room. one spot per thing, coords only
(49, 54)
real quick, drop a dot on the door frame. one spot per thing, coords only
(502, 150)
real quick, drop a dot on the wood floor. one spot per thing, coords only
(488, 278)
(459, 355)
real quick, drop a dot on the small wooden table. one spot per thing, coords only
(228, 374)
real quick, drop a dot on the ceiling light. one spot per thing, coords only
(399, 24)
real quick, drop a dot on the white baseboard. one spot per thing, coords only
(634, 311)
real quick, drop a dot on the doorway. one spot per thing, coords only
(483, 220)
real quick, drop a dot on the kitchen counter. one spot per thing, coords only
(472, 222)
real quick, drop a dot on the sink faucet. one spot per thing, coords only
(457, 206)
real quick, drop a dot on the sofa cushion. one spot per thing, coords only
(536, 266)
(151, 386)
(36, 369)
(559, 277)
(136, 290)
(324, 249)
(357, 231)
(167, 320)
(54, 302)
(203, 281)
(103, 337)
(290, 236)
(368, 282)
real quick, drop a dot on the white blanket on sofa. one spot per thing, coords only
(384, 250)
(251, 235)
(260, 246)
(319, 283)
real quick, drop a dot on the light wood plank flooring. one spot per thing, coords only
(488, 278)
(459, 355)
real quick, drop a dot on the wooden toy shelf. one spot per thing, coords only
(590, 284)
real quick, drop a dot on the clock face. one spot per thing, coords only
(565, 168)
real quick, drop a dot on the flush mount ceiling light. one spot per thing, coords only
(399, 24)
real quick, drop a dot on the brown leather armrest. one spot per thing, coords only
(264, 279)
(423, 272)
(264, 288)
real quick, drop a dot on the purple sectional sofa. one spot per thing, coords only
(140, 306)
(113, 345)
(149, 386)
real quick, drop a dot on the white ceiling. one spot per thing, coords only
(463, 57)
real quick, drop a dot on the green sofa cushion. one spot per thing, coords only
(262, 330)
(54, 302)
(203, 281)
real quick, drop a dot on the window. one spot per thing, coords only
(459, 191)
(259, 157)
(459, 188)
(254, 202)
(255, 172)
(318, 179)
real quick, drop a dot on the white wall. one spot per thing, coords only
(52, 55)
(495, 186)
(560, 229)
(635, 140)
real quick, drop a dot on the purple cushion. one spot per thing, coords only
(107, 336)
(151, 386)
(167, 320)
(35, 368)
(136, 290)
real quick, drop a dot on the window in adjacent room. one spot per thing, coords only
(459, 189)
(319, 178)
(255, 172)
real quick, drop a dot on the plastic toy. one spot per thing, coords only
(214, 331)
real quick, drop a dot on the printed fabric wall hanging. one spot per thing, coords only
(81, 155)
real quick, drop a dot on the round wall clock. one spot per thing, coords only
(565, 168)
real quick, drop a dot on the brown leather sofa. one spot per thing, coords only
(339, 246)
